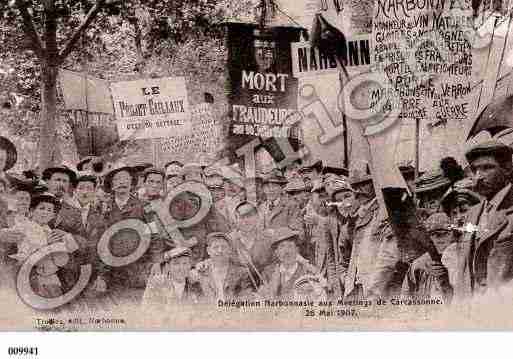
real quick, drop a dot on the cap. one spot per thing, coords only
(295, 184)
(245, 208)
(153, 170)
(460, 191)
(281, 234)
(489, 148)
(141, 167)
(44, 197)
(430, 181)
(339, 185)
(309, 279)
(87, 176)
(438, 222)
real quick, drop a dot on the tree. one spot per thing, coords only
(43, 34)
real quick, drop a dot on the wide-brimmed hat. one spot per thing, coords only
(49, 172)
(32, 185)
(45, 197)
(274, 176)
(116, 168)
(310, 279)
(317, 165)
(12, 154)
(431, 180)
(141, 167)
(281, 234)
(97, 164)
(245, 207)
(295, 184)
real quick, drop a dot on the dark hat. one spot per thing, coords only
(45, 197)
(340, 185)
(296, 185)
(339, 171)
(245, 207)
(359, 178)
(87, 177)
(275, 176)
(438, 222)
(407, 170)
(309, 279)
(142, 167)
(118, 167)
(430, 181)
(317, 186)
(12, 154)
(48, 173)
(97, 164)
(495, 117)
(281, 234)
(31, 185)
(317, 165)
(461, 191)
(153, 170)
(176, 163)
(489, 148)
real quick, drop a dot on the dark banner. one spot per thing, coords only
(262, 91)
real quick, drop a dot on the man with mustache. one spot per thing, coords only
(487, 251)
(61, 181)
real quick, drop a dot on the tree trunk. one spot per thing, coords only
(48, 145)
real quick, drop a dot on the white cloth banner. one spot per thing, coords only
(151, 108)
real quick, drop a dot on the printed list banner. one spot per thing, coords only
(151, 108)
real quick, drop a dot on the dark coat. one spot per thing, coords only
(488, 254)
(237, 284)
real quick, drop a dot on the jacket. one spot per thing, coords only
(488, 252)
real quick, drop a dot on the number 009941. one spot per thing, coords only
(22, 351)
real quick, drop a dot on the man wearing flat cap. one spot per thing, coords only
(274, 211)
(174, 175)
(488, 251)
(281, 276)
(171, 283)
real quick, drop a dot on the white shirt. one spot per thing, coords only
(219, 275)
(121, 203)
(287, 273)
(179, 288)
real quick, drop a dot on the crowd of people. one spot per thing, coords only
(315, 232)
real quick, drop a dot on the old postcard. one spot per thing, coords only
(256, 165)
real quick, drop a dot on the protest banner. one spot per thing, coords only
(206, 136)
(426, 53)
(262, 92)
(151, 108)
